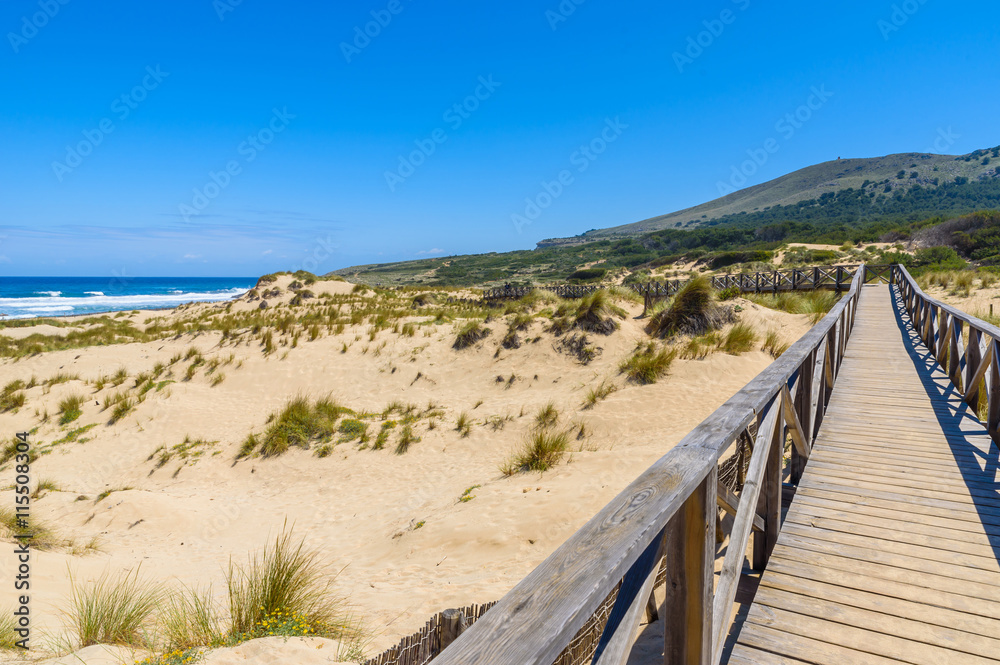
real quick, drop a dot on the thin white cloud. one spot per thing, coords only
(430, 251)
(267, 251)
(191, 257)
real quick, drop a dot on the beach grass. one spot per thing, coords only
(540, 451)
(114, 609)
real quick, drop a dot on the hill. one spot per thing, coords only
(888, 199)
(889, 175)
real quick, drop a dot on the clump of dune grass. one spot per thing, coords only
(692, 311)
(741, 338)
(8, 631)
(470, 334)
(406, 439)
(42, 534)
(774, 345)
(963, 283)
(70, 408)
(298, 424)
(987, 279)
(648, 363)
(114, 609)
(814, 303)
(701, 346)
(595, 395)
(12, 397)
(540, 451)
(106, 493)
(547, 416)
(597, 313)
(464, 424)
(121, 409)
(190, 619)
(286, 580)
(45, 485)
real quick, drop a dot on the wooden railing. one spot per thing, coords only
(967, 348)
(837, 278)
(670, 512)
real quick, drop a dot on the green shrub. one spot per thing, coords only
(730, 292)
(588, 274)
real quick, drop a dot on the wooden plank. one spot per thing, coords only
(860, 639)
(796, 645)
(744, 655)
(904, 599)
(979, 599)
(909, 636)
(967, 532)
(907, 557)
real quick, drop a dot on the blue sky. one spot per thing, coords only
(226, 137)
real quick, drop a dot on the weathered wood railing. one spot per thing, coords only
(670, 512)
(837, 278)
(967, 348)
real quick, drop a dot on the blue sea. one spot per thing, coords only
(31, 297)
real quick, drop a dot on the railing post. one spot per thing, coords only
(690, 553)
(803, 409)
(993, 410)
(769, 501)
(973, 360)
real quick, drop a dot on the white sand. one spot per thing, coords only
(359, 507)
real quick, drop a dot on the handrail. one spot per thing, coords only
(669, 512)
(772, 281)
(973, 366)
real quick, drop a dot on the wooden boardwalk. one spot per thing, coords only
(890, 551)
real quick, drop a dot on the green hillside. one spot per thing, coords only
(922, 198)
(783, 197)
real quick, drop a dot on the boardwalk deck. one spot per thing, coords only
(890, 551)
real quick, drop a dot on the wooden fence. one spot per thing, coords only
(668, 515)
(966, 347)
(837, 278)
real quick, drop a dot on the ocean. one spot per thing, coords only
(31, 297)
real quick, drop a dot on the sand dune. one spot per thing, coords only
(392, 524)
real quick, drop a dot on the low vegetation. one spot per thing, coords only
(540, 451)
(648, 363)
